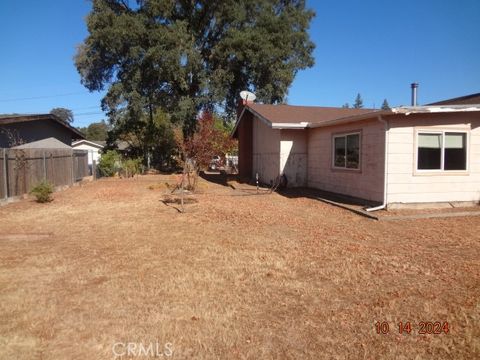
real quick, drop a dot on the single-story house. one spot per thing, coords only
(48, 143)
(404, 155)
(94, 149)
(16, 129)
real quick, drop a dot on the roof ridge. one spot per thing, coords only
(313, 107)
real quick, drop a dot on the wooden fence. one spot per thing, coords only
(22, 169)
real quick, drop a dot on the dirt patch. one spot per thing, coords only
(238, 276)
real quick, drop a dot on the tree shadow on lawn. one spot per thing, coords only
(232, 181)
(220, 178)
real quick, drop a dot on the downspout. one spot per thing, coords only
(385, 168)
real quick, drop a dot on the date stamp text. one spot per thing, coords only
(409, 327)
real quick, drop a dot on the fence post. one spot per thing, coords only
(5, 175)
(44, 166)
(94, 169)
(73, 170)
(52, 167)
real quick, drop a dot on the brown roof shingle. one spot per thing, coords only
(299, 114)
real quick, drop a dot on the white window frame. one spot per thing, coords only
(442, 152)
(344, 135)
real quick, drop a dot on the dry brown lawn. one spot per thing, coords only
(239, 276)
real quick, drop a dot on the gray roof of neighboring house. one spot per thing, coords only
(17, 118)
(472, 99)
(94, 143)
(48, 143)
(121, 145)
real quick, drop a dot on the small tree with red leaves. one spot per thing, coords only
(198, 150)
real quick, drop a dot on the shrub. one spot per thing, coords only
(109, 163)
(42, 192)
(132, 167)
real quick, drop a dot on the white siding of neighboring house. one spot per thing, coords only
(406, 185)
(93, 152)
(366, 183)
(293, 156)
(266, 151)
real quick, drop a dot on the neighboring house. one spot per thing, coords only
(31, 128)
(473, 99)
(421, 154)
(94, 149)
(49, 143)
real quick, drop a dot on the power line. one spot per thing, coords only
(42, 97)
(86, 107)
(88, 113)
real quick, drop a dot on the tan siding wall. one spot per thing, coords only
(405, 186)
(266, 151)
(366, 183)
(293, 156)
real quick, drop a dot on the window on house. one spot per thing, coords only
(442, 151)
(347, 151)
(455, 151)
(429, 151)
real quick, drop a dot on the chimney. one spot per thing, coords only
(414, 87)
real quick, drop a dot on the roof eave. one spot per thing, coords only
(234, 131)
(293, 126)
(407, 110)
(402, 110)
(253, 112)
(94, 144)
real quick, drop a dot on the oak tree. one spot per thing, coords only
(66, 115)
(186, 56)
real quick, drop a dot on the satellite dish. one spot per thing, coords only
(247, 95)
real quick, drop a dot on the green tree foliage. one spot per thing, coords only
(346, 106)
(110, 163)
(385, 105)
(65, 114)
(147, 137)
(131, 167)
(96, 131)
(190, 55)
(358, 104)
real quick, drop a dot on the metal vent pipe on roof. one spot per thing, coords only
(414, 87)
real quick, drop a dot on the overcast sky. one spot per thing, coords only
(366, 47)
